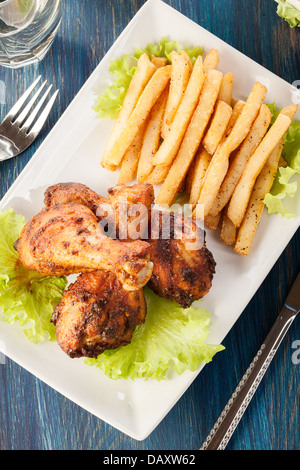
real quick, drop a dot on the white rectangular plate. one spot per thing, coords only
(72, 152)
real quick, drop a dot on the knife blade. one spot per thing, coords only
(231, 415)
(293, 299)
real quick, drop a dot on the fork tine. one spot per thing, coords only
(41, 120)
(18, 105)
(23, 115)
(35, 111)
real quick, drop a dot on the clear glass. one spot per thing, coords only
(27, 30)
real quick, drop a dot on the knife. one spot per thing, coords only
(228, 420)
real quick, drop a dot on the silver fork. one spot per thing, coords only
(21, 127)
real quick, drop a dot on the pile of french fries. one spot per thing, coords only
(181, 127)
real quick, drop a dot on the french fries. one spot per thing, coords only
(256, 204)
(187, 59)
(131, 159)
(168, 149)
(179, 79)
(181, 126)
(149, 96)
(144, 71)
(228, 230)
(249, 145)
(211, 222)
(159, 61)
(241, 195)
(219, 164)
(226, 88)
(201, 163)
(217, 127)
(194, 182)
(158, 174)
(151, 138)
(192, 138)
(211, 60)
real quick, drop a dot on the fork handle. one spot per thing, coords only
(228, 420)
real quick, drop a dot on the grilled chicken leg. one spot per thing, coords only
(124, 214)
(66, 239)
(96, 313)
(183, 267)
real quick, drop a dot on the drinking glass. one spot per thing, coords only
(27, 30)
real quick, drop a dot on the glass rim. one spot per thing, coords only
(5, 2)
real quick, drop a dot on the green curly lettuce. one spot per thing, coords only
(284, 186)
(289, 12)
(26, 297)
(172, 338)
(122, 69)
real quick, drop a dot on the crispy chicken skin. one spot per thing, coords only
(66, 239)
(102, 308)
(183, 267)
(63, 193)
(131, 204)
(96, 313)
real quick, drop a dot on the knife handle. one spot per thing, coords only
(228, 420)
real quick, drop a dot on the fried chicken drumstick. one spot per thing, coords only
(66, 239)
(129, 204)
(183, 267)
(102, 308)
(96, 313)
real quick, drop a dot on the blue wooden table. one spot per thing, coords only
(34, 416)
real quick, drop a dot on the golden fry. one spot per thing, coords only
(192, 138)
(151, 138)
(201, 163)
(226, 88)
(187, 59)
(241, 195)
(217, 127)
(238, 107)
(179, 79)
(149, 96)
(189, 177)
(158, 174)
(159, 61)
(131, 158)
(220, 161)
(211, 222)
(144, 71)
(256, 204)
(228, 230)
(211, 60)
(168, 149)
(238, 163)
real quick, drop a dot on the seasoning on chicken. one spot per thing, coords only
(127, 209)
(96, 313)
(66, 239)
(132, 207)
(183, 267)
(63, 193)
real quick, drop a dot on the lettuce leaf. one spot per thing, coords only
(122, 69)
(172, 338)
(26, 297)
(283, 186)
(288, 12)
